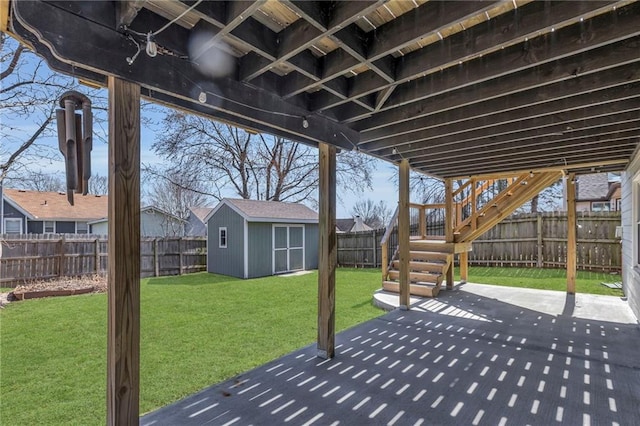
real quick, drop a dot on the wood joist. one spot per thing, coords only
(419, 78)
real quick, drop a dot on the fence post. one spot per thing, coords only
(539, 260)
(97, 255)
(156, 266)
(375, 250)
(61, 257)
(181, 258)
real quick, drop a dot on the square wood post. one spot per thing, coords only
(403, 233)
(123, 343)
(327, 252)
(463, 260)
(571, 234)
(448, 225)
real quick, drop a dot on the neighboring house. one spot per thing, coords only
(153, 223)
(196, 222)
(355, 224)
(630, 212)
(248, 239)
(598, 192)
(35, 212)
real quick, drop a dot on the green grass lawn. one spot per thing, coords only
(548, 279)
(196, 330)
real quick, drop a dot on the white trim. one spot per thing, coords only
(44, 227)
(288, 248)
(80, 221)
(246, 249)
(13, 219)
(226, 237)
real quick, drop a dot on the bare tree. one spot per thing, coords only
(376, 215)
(37, 180)
(227, 159)
(29, 95)
(174, 192)
(98, 185)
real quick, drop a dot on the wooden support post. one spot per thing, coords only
(403, 233)
(571, 234)
(463, 259)
(539, 260)
(384, 260)
(123, 344)
(422, 219)
(448, 224)
(474, 205)
(327, 251)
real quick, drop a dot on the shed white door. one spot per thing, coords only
(288, 248)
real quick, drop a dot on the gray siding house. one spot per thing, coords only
(196, 225)
(153, 223)
(35, 212)
(249, 239)
(631, 234)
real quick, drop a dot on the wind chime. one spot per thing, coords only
(75, 141)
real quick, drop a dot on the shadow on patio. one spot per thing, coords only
(464, 358)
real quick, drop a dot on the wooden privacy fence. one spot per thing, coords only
(39, 257)
(525, 240)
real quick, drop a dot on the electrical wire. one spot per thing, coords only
(155, 33)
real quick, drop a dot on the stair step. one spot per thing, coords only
(428, 256)
(433, 267)
(416, 277)
(424, 290)
(431, 246)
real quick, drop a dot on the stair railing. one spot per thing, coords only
(384, 243)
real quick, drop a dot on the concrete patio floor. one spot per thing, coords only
(476, 355)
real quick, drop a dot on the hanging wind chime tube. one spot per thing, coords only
(75, 141)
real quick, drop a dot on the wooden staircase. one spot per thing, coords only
(428, 264)
(472, 214)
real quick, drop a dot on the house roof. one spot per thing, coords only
(54, 205)
(268, 211)
(592, 187)
(344, 225)
(150, 209)
(351, 225)
(201, 212)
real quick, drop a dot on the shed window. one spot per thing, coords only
(222, 237)
(49, 227)
(13, 226)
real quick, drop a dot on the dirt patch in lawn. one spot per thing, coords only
(59, 287)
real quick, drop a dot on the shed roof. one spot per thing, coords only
(268, 211)
(54, 205)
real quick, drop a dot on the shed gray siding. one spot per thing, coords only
(260, 249)
(311, 246)
(631, 234)
(230, 260)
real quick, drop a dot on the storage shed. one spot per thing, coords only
(249, 239)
